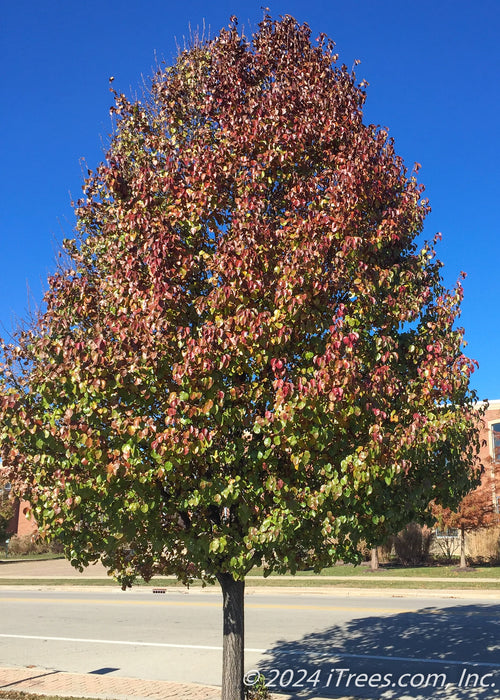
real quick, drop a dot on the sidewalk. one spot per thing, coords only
(48, 569)
(46, 682)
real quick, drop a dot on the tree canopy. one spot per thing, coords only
(475, 511)
(248, 357)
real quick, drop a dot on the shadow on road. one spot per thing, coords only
(443, 653)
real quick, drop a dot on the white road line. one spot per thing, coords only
(116, 641)
(374, 657)
(290, 652)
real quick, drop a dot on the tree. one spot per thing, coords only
(374, 561)
(247, 358)
(476, 510)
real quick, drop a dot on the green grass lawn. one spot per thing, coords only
(48, 556)
(359, 577)
(379, 584)
(386, 571)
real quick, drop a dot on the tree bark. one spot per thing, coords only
(234, 638)
(374, 559)
(463, 562)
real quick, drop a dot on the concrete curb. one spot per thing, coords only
(252, 591)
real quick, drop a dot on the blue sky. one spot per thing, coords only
(433, 70)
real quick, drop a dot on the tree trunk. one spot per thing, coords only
(374, 559)
(234, 638)
(463, 563)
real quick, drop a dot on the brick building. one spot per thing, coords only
(19, 523)
(490, 451)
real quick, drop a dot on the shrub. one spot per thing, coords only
(32, 544)
(483, 546)
(412, 545)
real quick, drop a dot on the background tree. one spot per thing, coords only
(475, 511)
(248, 359)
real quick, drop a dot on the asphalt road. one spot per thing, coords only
(316, 645)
